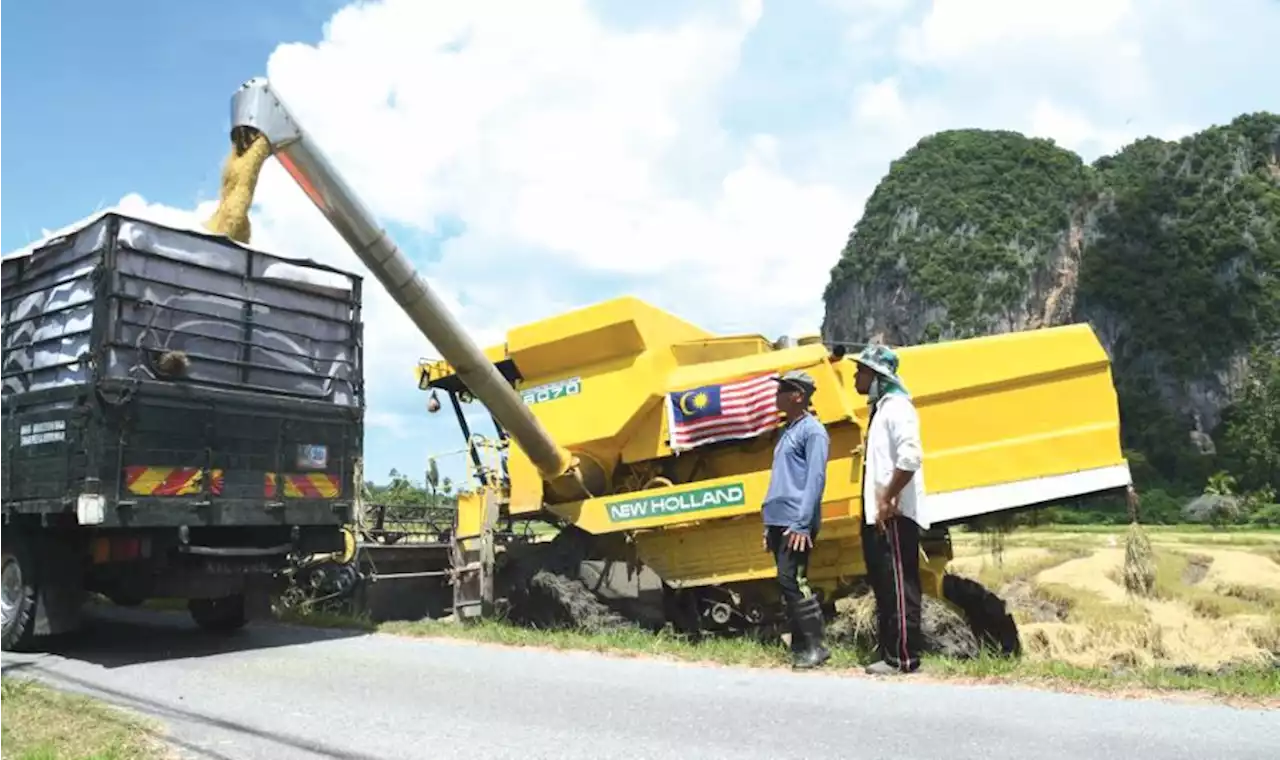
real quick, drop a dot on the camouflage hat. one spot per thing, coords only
(882, 361)
(798, 379)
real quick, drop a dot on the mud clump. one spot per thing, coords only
(567, 602)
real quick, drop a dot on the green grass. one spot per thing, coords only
(1255, 684)
(1068, 542)
(40, 723)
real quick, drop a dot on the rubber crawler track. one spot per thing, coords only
(986, 614)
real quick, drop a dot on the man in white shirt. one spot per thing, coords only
(892, 497)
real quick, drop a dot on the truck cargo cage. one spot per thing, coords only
(146, 362)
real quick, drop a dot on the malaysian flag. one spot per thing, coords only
(731, 411)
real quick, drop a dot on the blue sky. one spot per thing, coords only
(710, 159)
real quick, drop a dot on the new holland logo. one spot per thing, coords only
(731, 495)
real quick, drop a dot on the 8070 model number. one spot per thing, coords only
(551, 391)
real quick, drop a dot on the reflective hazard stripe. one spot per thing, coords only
(311, 485)
(145, 480)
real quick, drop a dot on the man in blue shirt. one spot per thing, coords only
(792, 513)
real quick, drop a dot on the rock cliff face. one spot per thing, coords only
(1171, 250)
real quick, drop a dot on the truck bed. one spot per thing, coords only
(184, 378)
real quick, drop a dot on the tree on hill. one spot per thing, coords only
(1170, 250)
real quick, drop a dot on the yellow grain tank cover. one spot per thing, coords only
(1007, 421)
(1015, 420)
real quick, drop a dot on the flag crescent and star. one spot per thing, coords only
(699, 399)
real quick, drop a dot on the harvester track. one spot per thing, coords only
(987, 615)
(544, 590)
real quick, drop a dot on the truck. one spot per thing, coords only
(183, 418)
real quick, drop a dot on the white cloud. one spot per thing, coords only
(588, 160)
(965, 31)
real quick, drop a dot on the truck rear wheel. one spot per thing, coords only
(221, 615)
(17, 597)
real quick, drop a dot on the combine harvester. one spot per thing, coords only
(651, 533)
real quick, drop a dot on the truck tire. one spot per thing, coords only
(221, 615)
(18, 592)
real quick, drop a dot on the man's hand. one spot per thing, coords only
(797, 542)
(886, 508)
(764, 540)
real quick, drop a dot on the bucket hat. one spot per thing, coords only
(881, 360)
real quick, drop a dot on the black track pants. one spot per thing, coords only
(792, 568)
(893, 568)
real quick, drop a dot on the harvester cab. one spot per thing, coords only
(644, 442)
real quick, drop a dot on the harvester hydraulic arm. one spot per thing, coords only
(256, 108)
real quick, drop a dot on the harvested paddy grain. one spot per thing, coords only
(1092, 573)
(1189, 639)
(249, 151)
(1096, 644)
(1187, 624)
(945, 631)
(1139, 572)
(1239, 568)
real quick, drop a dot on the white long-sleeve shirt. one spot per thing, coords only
(894, 442)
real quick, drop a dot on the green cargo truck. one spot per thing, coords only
(182, 418)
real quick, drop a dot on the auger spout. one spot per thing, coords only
(256, 108)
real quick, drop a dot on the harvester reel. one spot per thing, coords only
(326, 584)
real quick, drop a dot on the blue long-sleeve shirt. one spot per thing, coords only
(799, 476)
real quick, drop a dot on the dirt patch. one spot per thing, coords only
(1029, 607)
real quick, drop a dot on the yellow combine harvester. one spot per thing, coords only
(1008, 422)
(583, 402)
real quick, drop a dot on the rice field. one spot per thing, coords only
(1214, 602)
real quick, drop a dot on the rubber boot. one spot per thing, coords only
(797, 635)
(808, 618)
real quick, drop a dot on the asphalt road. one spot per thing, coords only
(277, 692)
